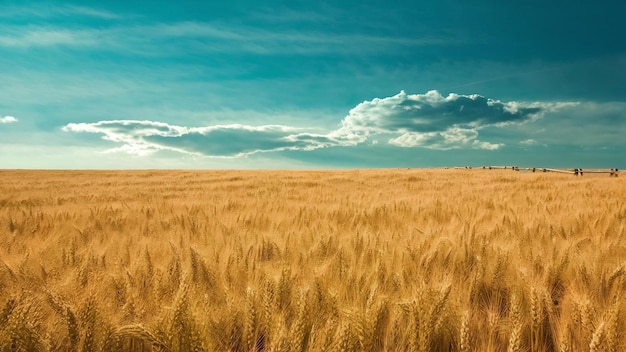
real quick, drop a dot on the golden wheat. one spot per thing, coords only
(356, 260)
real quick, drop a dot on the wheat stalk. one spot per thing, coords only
(139, 332)
(515, 338)
(612, 327)
(597, 338)
(464, 338)
(299, 330)
(251, 320)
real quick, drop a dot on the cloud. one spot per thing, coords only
(55, 11)
(34, 28)
(419, 120)
(433, 121)
(235, 140)
(432, 112)
(588, 124)
(38, 36)
(8, 119)
(528, 141)
(172, 38)
(88, 12)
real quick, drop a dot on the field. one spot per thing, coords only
(358, 260)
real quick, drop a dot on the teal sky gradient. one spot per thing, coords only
(303, 84)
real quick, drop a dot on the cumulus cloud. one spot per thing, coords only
(433, 121)
(8, 119)
(405, 120)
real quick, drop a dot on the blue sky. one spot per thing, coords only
(312, 84)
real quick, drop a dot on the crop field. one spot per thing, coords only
(355, 260)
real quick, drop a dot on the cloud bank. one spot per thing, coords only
(427, 120)
(8, 119)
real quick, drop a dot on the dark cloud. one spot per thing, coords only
(418, 120)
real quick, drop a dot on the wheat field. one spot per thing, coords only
(355, 260)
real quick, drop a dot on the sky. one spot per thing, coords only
(312, 84)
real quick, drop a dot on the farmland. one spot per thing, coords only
(390, 260)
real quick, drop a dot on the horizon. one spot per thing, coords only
(523, 169)
(311, 86)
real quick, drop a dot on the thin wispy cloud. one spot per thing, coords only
(56, 11)
(235, 140)
(8, 119)
(171, 39)
(42, 36)
(408, 120)
(588, 124)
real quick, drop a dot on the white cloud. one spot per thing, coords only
(233, 140)
(88, 12)
(476, 144)
(528, 141)
(164, 38)
(38, 36)
(408, 140)
(36, 32)
(418, 120)
(131, 133)
(434, 121)
(53, 11)
(453, 138)
(8, 119)
(449, 139)
(434, 112)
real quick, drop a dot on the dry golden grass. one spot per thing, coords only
(371, 260)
